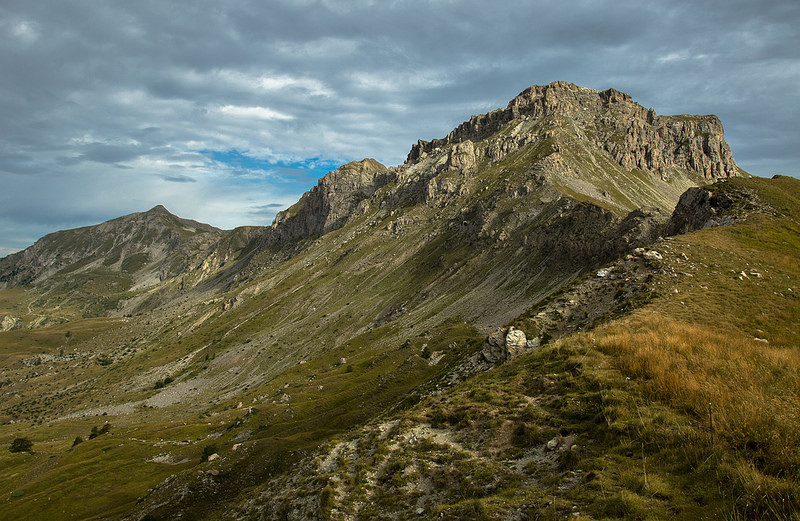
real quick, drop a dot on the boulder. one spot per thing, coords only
(494, 349)
(652, 255)
(692, 212)
(504, 344)
(516, 342)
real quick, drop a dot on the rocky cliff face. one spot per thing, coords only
(635, 137)
(332, 202)
(550, 140)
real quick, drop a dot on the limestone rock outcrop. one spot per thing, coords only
(696, 209)
(635, 137)
(329, 204)
(504, 344)
(10, 322)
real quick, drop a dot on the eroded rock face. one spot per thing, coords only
(329, 204)
(699, 208)
(516, 342)
(504, 344)
(494, 349)
(462, 156)
(635, 137)
(10, 322)
(693, 211)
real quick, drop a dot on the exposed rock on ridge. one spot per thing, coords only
(330, 203)
(634, 136)
(717, 205)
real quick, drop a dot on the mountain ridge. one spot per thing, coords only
(633, 137)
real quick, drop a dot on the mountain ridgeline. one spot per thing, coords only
(492, 329)
(553, 177)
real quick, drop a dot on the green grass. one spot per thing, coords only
(632, 396)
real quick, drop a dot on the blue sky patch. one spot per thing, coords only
(299, 172)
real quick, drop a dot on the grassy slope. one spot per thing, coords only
(249, 349)
(696, 344)
(628, 404)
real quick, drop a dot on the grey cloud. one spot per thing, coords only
(89, 88)
(179, 179)
(266, 213)
(103, 153)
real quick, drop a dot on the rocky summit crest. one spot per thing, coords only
(559, 138)
(634, 136)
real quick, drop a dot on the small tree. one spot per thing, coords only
(97, 432)
(78, 440)
(208, 450)
(21, 445)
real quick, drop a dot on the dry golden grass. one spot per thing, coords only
(752, 387)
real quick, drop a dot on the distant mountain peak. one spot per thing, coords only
(158, 209)
(138, 242)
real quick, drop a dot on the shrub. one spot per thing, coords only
(161, 383)
(426, 352)
(97, 432)
(78, 440)
(21, 445)
(208, 450)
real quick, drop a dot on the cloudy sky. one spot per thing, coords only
(226, 111)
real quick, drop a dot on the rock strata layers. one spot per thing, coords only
(329, 204)
(635, 137)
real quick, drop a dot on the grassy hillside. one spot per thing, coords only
(687, 408)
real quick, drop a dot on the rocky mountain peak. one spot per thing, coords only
(142, 241)
(159, 209)
(329, 204)
(560, 137)
(631, 135)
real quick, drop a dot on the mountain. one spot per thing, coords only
(124, 245)
(97, 269)
(408, 341)
(551, 180)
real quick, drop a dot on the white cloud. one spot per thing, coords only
(673, 57)
(319, 48)
(683, 56)
(252, 112)
(312, 86)
(25, 31)
(408, 80)
(7, 251)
